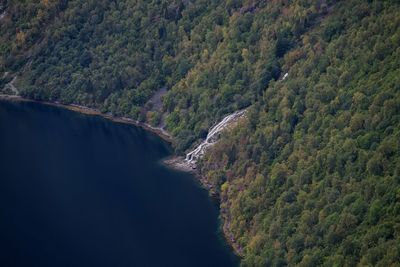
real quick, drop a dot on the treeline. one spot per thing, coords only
(311, 176)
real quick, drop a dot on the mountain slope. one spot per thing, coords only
(311, 176)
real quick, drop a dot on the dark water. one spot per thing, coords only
(77, 190)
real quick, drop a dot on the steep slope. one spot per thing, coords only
(105, 54)
(311, 176)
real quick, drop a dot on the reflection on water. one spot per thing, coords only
(77, 190)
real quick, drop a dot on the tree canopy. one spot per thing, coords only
(311, 176)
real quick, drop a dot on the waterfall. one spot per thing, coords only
(12, 87)
(212, 137)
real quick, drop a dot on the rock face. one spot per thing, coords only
(212, 136)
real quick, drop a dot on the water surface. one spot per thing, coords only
(79, 190)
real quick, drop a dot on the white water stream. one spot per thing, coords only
(11, 86)
(212, 137)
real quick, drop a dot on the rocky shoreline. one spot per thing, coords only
(179, 163)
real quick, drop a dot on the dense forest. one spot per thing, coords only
(311, 176)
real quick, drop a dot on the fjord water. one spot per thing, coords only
(79, 190)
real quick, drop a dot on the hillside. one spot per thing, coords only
(312, 176)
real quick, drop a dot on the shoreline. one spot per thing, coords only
(174, 162)
(177, 163)
(95, 112)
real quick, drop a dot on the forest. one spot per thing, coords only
(311, 176)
